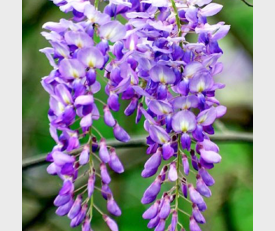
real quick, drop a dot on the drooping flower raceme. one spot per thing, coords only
(168, 80)
(79, 158)
(172, 84)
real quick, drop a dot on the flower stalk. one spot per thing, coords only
(96, 4)
(177, 17)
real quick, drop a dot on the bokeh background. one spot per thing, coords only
(229, 209)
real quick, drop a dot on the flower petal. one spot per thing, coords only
(79, 39)
(162, 74)
(210, 157)
(202, 81)
(211, 9)
(186, 102)
(91, 57)
(112, 31)
(221, 33)
(191, 69)
(207, 117)
(120, 134)
(160, 107)
(158, 134)
(71, 69)
(184, 121)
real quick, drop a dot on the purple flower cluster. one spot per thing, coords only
(168, 80)
(172, 83)
(72, 85)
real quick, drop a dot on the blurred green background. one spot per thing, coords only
(229, 209)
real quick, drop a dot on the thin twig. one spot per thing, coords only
(82, 187)
(247, 3)
(184, 212)
(185, 199)
(96, 157)
(98, 209)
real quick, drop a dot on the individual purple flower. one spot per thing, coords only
(84, 155)
(160, 107)
(86, 226)
(153, 222)
(207, 117)
(112, 206)
(167, 151)
(152, 191)
(152, 211)
(211, 9)
(163, 172)
(191, 69)
(195, 196)
(131, 107)
(174, 221)
(201, 81)
(185, 164)
(95, 16)
(71, 69)
(91, 57)
(62, 112)
(207, 178)
(184, 121)
(113, 102)
(184, 188)
(149, 172)
(75, 210)
(120, 134)
(202, 187)
(159, 135)
(165, 208)
(197, 215)
(105, 190)
(112, 31)
(210, 154)
(68, 6)
(104, 174)
(111, 223)
(80, 217)
(67, 188)
(161, 225)
(172, 174)
(78, 38)
(186, 102)
(91, 184)
(194, 160)
(108, 117)
(61, 158)
(62, 199)
(152, 164)
(209, 159)
(114, 162)
(185, 141)
(193, 225)
(162, 74)
(64, 209)
(103, 151)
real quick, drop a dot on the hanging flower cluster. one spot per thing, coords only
(166, 78)
(73, 85)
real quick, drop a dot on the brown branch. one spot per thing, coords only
(140, 142)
